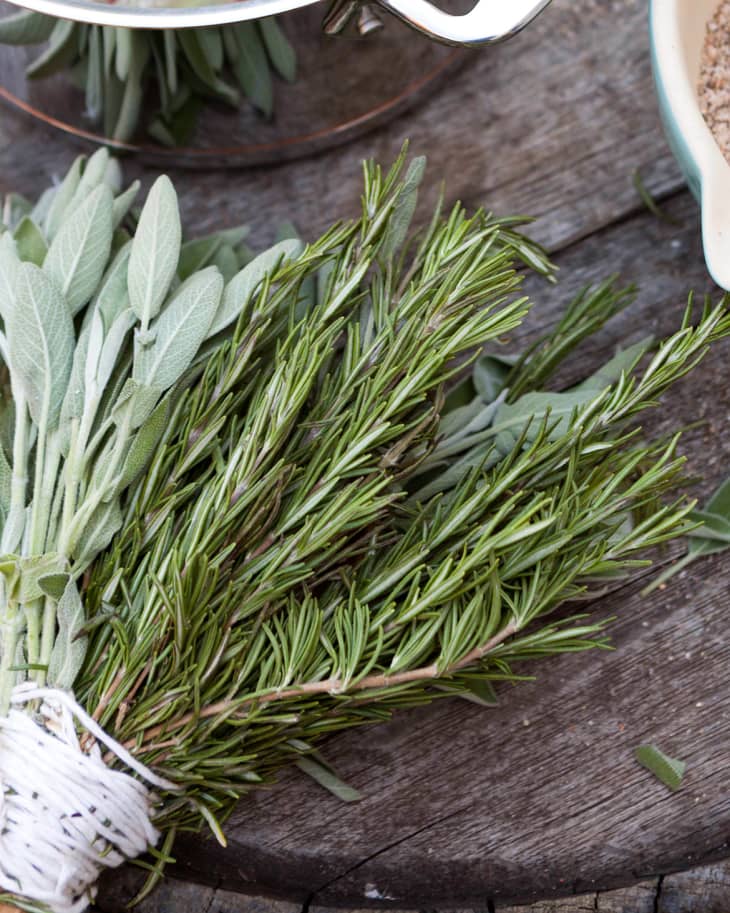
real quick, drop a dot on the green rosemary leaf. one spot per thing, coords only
(78, 253)
(179, 331)
(155, 252)
(669, 770)
(26, 27)
(30, 243)
(41, 343)
(61, 51)
(279, 49)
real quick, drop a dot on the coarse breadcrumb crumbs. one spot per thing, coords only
(714, 81)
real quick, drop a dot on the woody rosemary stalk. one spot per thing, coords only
(264, 507)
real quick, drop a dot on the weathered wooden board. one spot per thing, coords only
(539, 796)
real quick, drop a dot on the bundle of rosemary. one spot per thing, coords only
(117, 68)
(240, 510)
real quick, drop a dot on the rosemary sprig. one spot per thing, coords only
(334, 590)
(117, 68)
(306, 532)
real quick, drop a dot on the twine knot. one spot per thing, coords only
(65, 816)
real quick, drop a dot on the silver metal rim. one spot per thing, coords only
(151, 18)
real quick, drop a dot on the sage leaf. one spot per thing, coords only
(30, 243)
(9, 264)
(528, 412)
(404, 209)
(242, 287)
(41, 343)
(211, 44)
(15, 208)
(179, 331)
(80, 250)
(95, 75)
(74, 399)
(279, 49)
(123, 203)
(99, 531)
(226, 261)
(134, 403)
(669, 770)
(32, 569)
(155, 251)
(6, 476)
(113, 344)
(60, 53)
(123, 57)
(145, 443)
(168, 36)
(491, 373)
(713, 526)
(39, 213)
(69, 648)
(622, 363)
(113, 295)
(251, 67)
(323, 774)
(93, 174)
(26, 27)
(62, 197)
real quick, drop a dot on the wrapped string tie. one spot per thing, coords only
(65, 816)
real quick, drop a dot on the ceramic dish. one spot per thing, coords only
(677, 36)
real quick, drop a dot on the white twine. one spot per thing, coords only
(64, 815)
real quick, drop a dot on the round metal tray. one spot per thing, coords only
(334, 99)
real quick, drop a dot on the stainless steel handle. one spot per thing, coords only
(490, 20)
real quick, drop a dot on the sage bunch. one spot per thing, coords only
(116, 68)
(286, 512)
(99, 331)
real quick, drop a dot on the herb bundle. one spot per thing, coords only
(117, 67)
(241, 510)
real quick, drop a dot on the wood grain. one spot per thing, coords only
(466, 808)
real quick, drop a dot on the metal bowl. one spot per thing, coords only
(489, 21)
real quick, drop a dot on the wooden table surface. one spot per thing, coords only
(539, 796)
